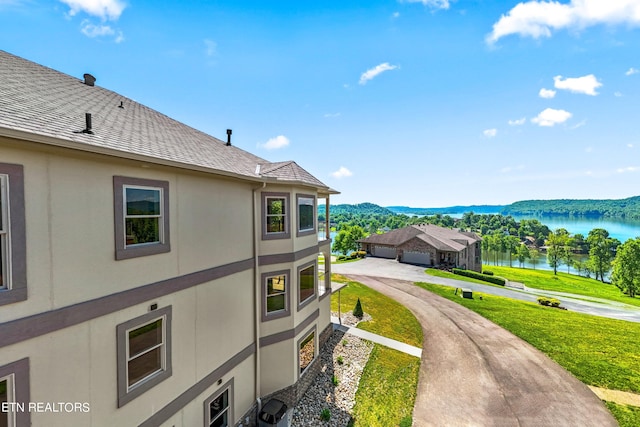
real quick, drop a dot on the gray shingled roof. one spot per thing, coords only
(443, 239)
(44, 105)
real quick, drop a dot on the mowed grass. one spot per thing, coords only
(387, 389)
(440, 273)
(598, 351)
(563, 282)
(627, 416)
(390, 319)
(383, 398)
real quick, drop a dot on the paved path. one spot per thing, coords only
(380, 267)
(474, 373)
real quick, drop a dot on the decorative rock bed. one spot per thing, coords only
(342, 359)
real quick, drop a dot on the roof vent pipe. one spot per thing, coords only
(89, 80)
(229, 132)
(87, 119)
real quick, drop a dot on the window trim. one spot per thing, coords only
(314, 264)
(16, 288)
(313, 331)
(127, 393)
(229, 386)
(266, 316)
(18, 372)
(287, 216)
(312, 230)
(122, 251)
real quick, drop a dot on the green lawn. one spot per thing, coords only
(627, 416)
(598, 351)
(563, 282)
(440, 273)
(390, 319)
(383, 397)
(387, 389)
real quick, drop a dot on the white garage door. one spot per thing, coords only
(416, 258)
(384, 252)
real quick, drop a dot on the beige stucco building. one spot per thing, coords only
(151, 274)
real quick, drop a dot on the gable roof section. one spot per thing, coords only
(43, 105)
(443, 239)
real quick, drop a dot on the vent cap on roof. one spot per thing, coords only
(89, 80)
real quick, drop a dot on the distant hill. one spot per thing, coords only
(360, 208)
(620, 208)
(478, 209)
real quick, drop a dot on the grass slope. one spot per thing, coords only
(563, 282)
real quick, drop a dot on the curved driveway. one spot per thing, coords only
(474, 373)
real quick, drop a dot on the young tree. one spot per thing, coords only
(626, 267)
(511, 243)
(601, 251)
(347, 239)
(557, 244)
(522, 252)
(534, 256)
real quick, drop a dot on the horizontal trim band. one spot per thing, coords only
(291, 333)
(39, 324)
(290, 257)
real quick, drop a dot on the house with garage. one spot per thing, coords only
(150, 274)
(427, 244)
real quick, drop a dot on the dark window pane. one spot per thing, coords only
(307, 282)
(275, 285)
(142, 202)
(221, 421)
(145, 365)
(305, 214)
(3, 258)
(142, 230)
(276, 207)
(307, 352)
(275, 303)
(219, 405)
(145, 337)
(275, 224)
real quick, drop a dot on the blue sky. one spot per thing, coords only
(423, 103)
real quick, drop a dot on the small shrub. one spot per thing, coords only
(487, 272)
(549, 302)
(341, 257)
(325, 414)
(340, 360)
(361, 254)
(353, 255)
(334, 381)
(344, 343)
(406, 422)
(357, 311)
(352, 422)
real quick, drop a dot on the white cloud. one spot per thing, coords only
(90, 30)
(539, 18)
(631, 71)
(547, 93)
(371, 73)
(435, 4)
(588, 150)
(211, 47)
(104, 9)
(395, 15)
(518, 122)
(490, 133)
(628, 169)
(279, 141)
(617, 94)
(579, 125)
(341, 173)
(585, 84)
(630, 145)
(550, 117)
(331, 115)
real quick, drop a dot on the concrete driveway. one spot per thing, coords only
(380, 267)
(474, 373)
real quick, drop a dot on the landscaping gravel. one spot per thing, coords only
(343, 357)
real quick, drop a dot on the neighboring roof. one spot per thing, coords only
(43, 105)
(443, 239)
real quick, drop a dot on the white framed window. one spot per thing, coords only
(218, 408)
(306, 214)
(13, 250)
(141, 210)
(15, 394)
(5, 266)
(275, 216)
(306, 351)
(144, 353)
(307, 284)
(7, 399)
(275, 295)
